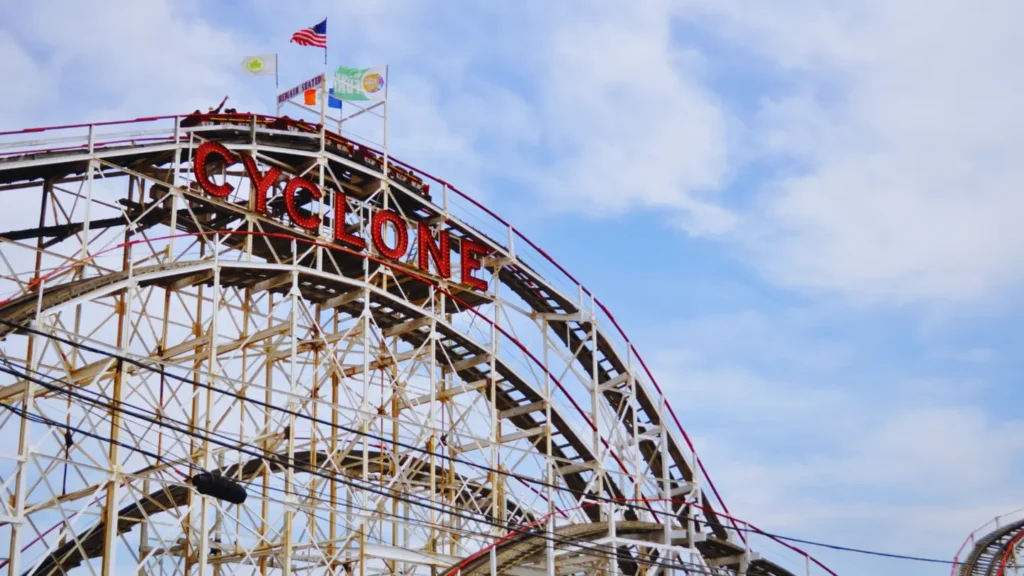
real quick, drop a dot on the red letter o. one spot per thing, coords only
(380, 218)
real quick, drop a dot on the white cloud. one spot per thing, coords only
(19, 97)
(592, 109)
(820, 446)
(765, 336)
(908, 133)
(116, 59)
(915, 482)
(629, 122)
(903, 126)
(902, 118)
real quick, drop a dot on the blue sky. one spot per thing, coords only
(806, 214)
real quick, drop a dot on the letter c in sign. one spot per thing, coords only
(203, 153)
(311, 222)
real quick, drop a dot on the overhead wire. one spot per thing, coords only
(397, 495)
(484, 467)
(457, 301)
(736, 528)
(247, 482)
(233, 445)
(255, 401)
(591, 550)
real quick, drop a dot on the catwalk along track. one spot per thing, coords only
(244, 344)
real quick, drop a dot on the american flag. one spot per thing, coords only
(315, 36)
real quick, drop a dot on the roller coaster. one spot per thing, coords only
(992, 550)
(396, 379)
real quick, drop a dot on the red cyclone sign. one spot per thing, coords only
(438, 250)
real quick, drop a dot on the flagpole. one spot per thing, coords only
(387, 82)
(323, 107)
(323, 112)
(323, 137)
(323, 145)
(323, 94)
(323, 97)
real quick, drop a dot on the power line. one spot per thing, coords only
(230, 444)
(382, 513)
(581, 494)
(594, 550)
(397, 495)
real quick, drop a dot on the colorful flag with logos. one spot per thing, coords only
(361, 83)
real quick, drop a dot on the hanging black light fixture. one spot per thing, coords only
(219, 487)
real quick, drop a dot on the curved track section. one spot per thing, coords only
(994, 552)
(89, 543)
(438, 387)
(527, 550)
(638, 541)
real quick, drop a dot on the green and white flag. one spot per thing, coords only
(361, 83)
(260, 65)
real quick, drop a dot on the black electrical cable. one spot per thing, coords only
(400, 496)
(156, 418)
(509, 527)
(691, 567)
(123, 427)
(593, 551)
(597, 497)
(586, 495)
(68, 443)
(491, 523)
(581, 495)
(38, 419)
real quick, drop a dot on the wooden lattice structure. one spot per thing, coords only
(458, 404)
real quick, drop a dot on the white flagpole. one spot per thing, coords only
(323, 112)
(323, 141)
(387, 82)
(323, 98)
(323, 95)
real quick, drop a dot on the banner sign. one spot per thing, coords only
(315, 82)
(361, 83)
(391, 236)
